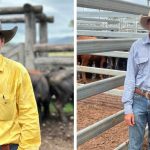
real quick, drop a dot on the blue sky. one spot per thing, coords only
(144, 2)
(62, 10)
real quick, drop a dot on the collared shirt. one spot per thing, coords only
(138, 71)
(19, 122)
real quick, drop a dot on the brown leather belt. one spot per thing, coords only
(5, 147)
(143, 93)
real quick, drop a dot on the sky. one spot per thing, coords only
(62, 10)
(143, 2)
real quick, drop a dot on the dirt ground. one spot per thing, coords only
(55, 137)
(95, 108)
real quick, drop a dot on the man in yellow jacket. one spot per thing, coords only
(19, 122)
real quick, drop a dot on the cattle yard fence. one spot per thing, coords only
(30, 53)
(100, 23)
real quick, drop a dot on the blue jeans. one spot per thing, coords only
(141, 110)
(12, 146)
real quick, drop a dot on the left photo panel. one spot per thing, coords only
(37, 75)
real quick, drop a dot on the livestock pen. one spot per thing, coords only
(118, 22)
(39, 55)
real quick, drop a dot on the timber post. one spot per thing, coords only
(30, 35)
(43, 29)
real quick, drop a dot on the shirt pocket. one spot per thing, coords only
(142, 64)
(6, 107)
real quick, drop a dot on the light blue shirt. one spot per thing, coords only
(138, 71)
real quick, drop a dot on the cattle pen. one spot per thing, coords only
(118, 22)
(33, 54)
(37, 54)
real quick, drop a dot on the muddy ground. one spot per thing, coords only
(54, 136)
(95, 108)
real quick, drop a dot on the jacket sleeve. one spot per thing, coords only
(129, 84)
(28, 115)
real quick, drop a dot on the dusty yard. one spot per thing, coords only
(54, 136)
(95, 108)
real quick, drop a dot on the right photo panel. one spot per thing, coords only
(113, 74)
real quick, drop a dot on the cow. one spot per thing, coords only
(117, 63)
(61, 85)
(122, 64)
(89, 60)
(41, 92)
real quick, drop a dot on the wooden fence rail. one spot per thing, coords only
(49, 19)
(53, 48)
(20, 10)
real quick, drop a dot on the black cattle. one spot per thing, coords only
(41, 91)
(122, 64)
(61, 85)
(117, 63)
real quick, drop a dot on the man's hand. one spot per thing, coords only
(129, 119)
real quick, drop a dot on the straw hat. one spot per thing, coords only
(143, 21)
(8, 34)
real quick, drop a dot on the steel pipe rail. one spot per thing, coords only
(96, 20)
(53, 48)
(111, 34)
(93, 27)
(99, 127)
(79, 84)
(115, 5)
(87, 14)
(100, 71)
(115, 92)
(97, 87)
(116, 54)
(103, 45)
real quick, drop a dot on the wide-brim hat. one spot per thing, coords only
(143, 21)
(8, 34)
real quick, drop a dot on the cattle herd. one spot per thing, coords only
(56, 83)
(99, 62)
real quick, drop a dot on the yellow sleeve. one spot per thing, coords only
(28, 115)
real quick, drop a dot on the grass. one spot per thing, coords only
(68, 108)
